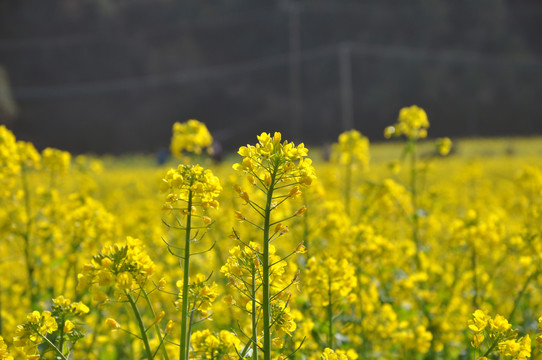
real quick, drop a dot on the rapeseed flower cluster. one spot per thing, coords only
(201, 295)
(52, 330)
(331, 280)
(189, 188)
(4, 353)
(271, 162)
(330, 354)
(497, 334)
(191, 136)
(34, 330)
(125, 267)
(208, 345)
(391, 268)
(56, 161)
(352, 148)
(191, 181)
(412, 123)
(14, 155)
(277, 169)
(444, 146)
(352, 152)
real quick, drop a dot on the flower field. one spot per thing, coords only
(413, 249)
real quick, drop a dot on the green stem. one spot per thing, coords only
(330, 314)
(185, 343)
(140, 325)
(491, 347)
(61, 328)
(363, 343)
(416, 228)
(414, 190)
(26, 238)
(71, 264)
(265, 278)
(474, 275)
(156, 326)
(99, 319)
(347, 187)
(59, 353)
(191, 321)
(520, 295)
(306, 229)
(1, 307)
(254, 316)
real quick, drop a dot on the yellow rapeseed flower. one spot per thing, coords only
(191, 136)
(412, 123)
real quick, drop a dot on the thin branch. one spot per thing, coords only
(288, 218)
(250, 222)
(296, 350)
(205, 251)
(171, 246)
(131, 333)
(283, 290)
(252, 205)
(284, 258)
(173, 226)
(57, 350)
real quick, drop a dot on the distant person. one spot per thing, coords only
(326, 152)
(162, 155)
(217, 152)
(8, 107)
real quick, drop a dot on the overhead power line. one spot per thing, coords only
(444, 55)
(140, 83)
(163, 80)
(113, 36)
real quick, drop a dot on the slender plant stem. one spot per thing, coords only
(266, 306)
(61, 328)
(330, 313)
(57, 350)
(348, 186)
(363, 344)
(26, 237)
(306, 229)
(99, 319)
(1, 306)
(416, 230)
(156, 326)
(475, 275)
(492, 347)
(140, 325)
(185, 343)
(414, 190)
(518, 298)
(254, 316)
(71, 264)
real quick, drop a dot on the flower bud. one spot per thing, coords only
(112, 323)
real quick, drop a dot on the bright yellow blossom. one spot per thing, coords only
(412, 123)
(191, 136)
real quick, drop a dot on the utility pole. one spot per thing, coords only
(295, 69)
(345, 77)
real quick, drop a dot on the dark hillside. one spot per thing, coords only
(112, 76)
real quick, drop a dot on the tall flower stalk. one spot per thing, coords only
(190, 188)
(28, 159)
(277, 169)
(412, 123)
(331, 282)
(352, 152)
(126, 269)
